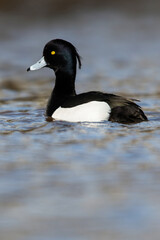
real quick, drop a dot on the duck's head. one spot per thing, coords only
(58, 54)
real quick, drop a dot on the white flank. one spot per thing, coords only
(88, 112)
(38, 65)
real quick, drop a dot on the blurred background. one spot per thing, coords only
(60, 7)
(79, 181)
(110, 35)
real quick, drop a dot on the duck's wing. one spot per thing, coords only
(124, 110)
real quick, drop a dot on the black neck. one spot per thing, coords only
(64, 87)
(65, 83)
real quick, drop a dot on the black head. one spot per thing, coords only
(58, 54)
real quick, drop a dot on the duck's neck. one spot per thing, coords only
(65, 83)
(64, 87)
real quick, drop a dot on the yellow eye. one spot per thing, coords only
(53, 52)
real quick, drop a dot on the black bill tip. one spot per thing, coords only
(28, 69)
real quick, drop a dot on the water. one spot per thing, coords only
(61, 180)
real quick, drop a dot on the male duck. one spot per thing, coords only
(64, 104)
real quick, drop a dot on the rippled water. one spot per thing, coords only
(61, 180)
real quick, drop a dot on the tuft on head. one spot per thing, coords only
(78, 59)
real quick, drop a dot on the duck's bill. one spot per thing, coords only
(38, 65)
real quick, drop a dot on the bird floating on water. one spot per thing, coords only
(64, 104)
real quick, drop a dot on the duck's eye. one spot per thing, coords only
(53, 52)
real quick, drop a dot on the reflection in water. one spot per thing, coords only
(61, 180)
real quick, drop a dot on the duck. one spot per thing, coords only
(65, 104)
